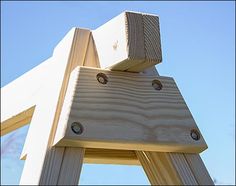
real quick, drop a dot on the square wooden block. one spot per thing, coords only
(129, 42)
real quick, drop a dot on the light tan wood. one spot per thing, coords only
(98, 155)
(91, 58)
(135, 37)
(161, 171)
(113, 42)
(70, 53)
(129, 42)
(166, 168)
(109, 156)
(71, 166)
(152, 43)
(199, 170)
(17, 121)
(183, 169)
(162, 120)
(51, 175)
(151, 71)
(69, 49)
(152, 37)
(64, 167)
(127, 113)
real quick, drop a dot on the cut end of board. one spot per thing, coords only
(129, 42)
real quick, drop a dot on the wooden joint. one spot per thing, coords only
(128, 112)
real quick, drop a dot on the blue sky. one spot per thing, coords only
(198, 45)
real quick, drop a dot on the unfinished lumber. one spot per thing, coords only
(70, 53)
(71, 166)
(129, 42)
(126, 113)
(93, 115)
(160, 172)
(199, 169)
(17, 121)
(18, 98)
(107, 156)
(166, 168)
(71, 45)
(64, 167)
(110, 156)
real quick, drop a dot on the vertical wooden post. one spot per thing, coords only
(44, 162)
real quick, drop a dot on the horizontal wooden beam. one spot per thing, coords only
(107, 156)
(17, 121)
(110, 156)
(129, 42)
(126, 113)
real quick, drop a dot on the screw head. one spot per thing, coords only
(195, 134)
(77, 128)
(115, 45)
(157, 84)
(102, 78)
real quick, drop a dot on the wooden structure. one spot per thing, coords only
(99, 99)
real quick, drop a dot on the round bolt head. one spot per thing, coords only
(195, 134)
(156, 84)
(102, 78)
(77, 128)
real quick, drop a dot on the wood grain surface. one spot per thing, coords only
(129, 42)
(127, 113)
(166, 168)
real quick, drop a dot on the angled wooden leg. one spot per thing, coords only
(198, 168)
(71, 166)
(174, 168)
(64, 167)
(44, 162)
(166, 168)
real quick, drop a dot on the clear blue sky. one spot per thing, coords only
(198, 44)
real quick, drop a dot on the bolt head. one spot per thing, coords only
(77, 128)
(156, 84)
(102, 78)
(195, 135)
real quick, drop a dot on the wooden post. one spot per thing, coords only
(39, 160)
